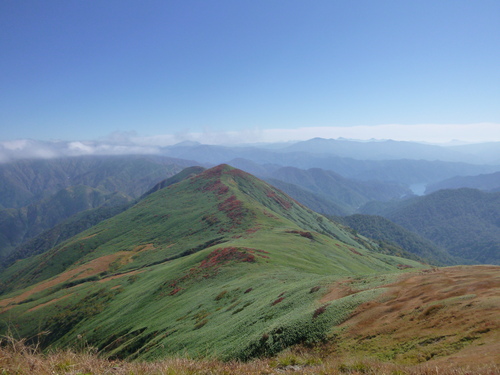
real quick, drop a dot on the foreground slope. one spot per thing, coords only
(220, 264)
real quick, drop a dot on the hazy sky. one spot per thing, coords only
(250, 70)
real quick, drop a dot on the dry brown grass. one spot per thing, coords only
(445, 315)
(18, 358)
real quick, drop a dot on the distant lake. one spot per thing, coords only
(418, 189)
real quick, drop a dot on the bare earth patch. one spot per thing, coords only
(94, 267)
(49, 302)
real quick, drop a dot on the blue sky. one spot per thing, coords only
(84, 70)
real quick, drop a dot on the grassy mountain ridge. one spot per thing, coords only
(220, 264)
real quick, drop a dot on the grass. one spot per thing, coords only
(18, 358)
(206, 268)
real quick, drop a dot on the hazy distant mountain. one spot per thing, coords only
(464, 221)
(348, 193)
(485, 182)
(407, 171)
(25, 181)
(488, 153)
(377, 150)
(18, 225)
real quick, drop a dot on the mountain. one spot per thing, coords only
(350, 194)
(485, 182)
(36, 195)
(219, 264)
(486, 153)
(410, 167)
(20, 225)
(466, 222)
(26, 181)
(382, 229)
(315, 201)
(378, 150)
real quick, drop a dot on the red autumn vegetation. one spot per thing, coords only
(210, 266)
(319, 311)
(277, 301)
(282, 202)
(303, 234)
(353, 250)
(233, 208)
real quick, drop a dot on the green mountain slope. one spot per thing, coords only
(315, 201)
(22, 224)
(380, 228)
(84, 220)
(36, 195)
(466, 222)
(220, 264)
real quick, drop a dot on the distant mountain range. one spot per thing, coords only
(398, 168)
(485, 182)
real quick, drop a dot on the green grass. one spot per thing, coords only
(229, 275)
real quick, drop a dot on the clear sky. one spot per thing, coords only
(260, 69)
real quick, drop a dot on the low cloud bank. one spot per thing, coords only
(120, 143)
(31, 149)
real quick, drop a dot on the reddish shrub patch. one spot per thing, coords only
(353, 250)
(319, 311)
(303, 234)
(252, 230)
(403, 266)
(225, 255)
(210, 266)
(315, 289)
(233, 208)
(282, 202)
(175, 291)
(210, 219)
(277, 301)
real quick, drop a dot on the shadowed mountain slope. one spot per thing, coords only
(82, 220)
(485, 182)
(380, 228)
(466, 222)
